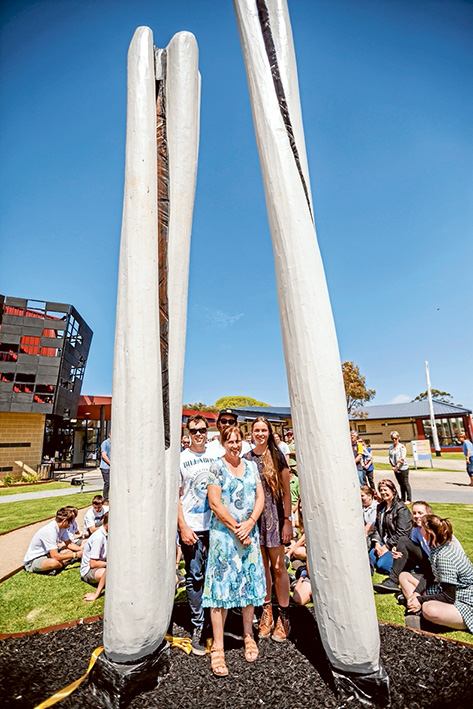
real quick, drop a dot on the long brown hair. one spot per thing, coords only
(271, 461)
(438, 528)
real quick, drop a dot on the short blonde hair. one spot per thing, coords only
(395, 434)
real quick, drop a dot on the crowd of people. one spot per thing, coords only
(240, 531)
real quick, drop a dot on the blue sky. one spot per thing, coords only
(387, 107)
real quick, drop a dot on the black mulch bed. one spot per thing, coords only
(424, 671)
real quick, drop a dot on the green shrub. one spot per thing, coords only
(9, 479)
(29, 477)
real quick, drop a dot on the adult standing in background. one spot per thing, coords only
(468, 452)
(105, 465)
(397, 459)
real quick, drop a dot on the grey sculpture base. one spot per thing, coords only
(115, 684)
(371, 689)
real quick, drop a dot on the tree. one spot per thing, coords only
(355, 389)
(199, 406)
(232, 402)
(438, 395)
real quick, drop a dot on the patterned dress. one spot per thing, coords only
(235, 572)
(451, 565)
(271, 521)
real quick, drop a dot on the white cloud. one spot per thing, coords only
(219, 319)
(400, 399)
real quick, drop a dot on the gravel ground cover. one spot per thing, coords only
(425, 671)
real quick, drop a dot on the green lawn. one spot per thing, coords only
(386, 466)
(447, 456)
(17, 514)
(31, 601)
(18, 489)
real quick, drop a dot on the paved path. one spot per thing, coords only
(41, 494)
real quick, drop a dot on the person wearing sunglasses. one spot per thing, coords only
(193, 522)
(226, 417)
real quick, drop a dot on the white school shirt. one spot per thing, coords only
(94, 548)
(45, 539)
(69, 534)
(193, 474)
(93, 518)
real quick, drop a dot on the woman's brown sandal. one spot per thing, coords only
(217, 662)
(251, 648)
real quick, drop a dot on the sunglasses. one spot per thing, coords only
(227, 422)
(196, 431)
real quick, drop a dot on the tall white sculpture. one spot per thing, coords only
(340, 576)
(160, 175)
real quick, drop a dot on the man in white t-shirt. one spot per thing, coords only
(226, 417)
(93, 518)
(43, 555)
(94, 560)
(193, 521)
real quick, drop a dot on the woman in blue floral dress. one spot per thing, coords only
(235, 575)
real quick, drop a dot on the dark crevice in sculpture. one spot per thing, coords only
(263, 15)
(163, 234)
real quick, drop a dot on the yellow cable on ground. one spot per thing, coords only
(70, 687)
(182, 643)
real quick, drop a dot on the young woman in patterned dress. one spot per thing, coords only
(449, 601)
(275, 525)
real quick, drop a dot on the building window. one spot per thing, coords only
(73, 332)
(45, 389)
(8, 352)
(6, 376)
(20, 377)
(23, 388)
(361, 428)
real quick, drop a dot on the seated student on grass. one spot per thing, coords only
(43, 555)
(448, 600)
(93, 518)
(94, 560)
(72, 533)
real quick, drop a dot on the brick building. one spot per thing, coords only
(43, 354)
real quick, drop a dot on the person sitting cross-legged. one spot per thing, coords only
(448, 601)
(94, 560)
(43, 555)
(93, 518)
